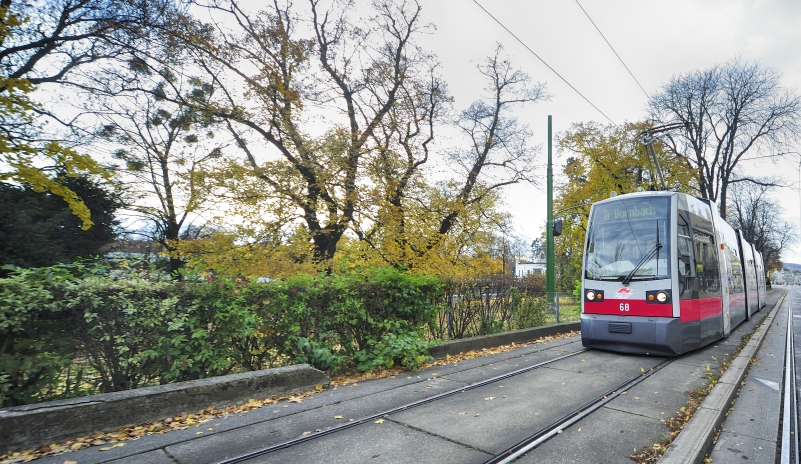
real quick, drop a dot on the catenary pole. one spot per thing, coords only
(550, 275)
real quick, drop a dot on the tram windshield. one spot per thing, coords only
(624, 234)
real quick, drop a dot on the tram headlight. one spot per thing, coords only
(657, 296)
(593, 295)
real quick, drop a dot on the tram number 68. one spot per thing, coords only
(624, 307)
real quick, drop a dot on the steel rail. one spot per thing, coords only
(789, 446)
(372, 417)
(557, 427)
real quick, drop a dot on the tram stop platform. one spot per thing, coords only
(751, 431)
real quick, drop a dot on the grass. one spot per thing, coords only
(568, 312)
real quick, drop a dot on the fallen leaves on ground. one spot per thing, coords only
(186, 421)
(113, 438)
(677, 422)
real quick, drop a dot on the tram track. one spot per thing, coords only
(568, 420)
(296, 441)
(510, 453)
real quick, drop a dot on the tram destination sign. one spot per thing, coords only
(629, 212)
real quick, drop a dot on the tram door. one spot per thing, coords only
(706, 303)
(688, 284)
(708, 270)
(751, 291)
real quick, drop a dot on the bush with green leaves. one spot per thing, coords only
(528, 311)
(36, 347)
(62, 323)
(326, 320)
(137, 332)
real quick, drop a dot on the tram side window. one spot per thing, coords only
(736, 282)
(706, 264)
(686, 262)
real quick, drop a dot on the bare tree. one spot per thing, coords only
(728, 111)
(757, 216)
(495, 153)
(164, 152)
(498, 153)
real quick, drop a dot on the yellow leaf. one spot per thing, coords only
(112, 446)
(379, 421)
(318, 387)
(642, 370)
(70, 462)
(489, 398)
(338, 417)
(707, 369)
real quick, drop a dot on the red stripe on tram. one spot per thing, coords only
(702, 308)
(628, 308)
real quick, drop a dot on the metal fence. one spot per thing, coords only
(497, 304)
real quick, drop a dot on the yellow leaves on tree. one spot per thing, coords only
(24, 160)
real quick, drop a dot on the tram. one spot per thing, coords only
(664, 274)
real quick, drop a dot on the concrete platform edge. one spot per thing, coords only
(36, 424)
(453, 347)
(693, 442)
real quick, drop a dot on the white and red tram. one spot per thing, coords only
(663, 274)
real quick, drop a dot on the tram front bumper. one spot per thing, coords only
(632, 334)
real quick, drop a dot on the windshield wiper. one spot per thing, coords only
(644, 259)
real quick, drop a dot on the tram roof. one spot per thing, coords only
(646, 193)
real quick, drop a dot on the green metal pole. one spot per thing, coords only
(550, 275)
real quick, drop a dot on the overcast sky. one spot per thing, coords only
(655, 39)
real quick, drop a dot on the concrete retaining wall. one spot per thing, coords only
(32, 425)
(452, 347)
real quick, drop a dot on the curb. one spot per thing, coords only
(453, 347)
(692, 443)
(31, 425)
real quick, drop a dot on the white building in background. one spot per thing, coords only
(534, 266)
(523, 268)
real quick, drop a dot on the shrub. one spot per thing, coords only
(36, 347)
(135, 331)
(529, 311)
(327, 320)
(489, 305)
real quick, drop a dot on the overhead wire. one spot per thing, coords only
(543, 62)
(613, 49)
